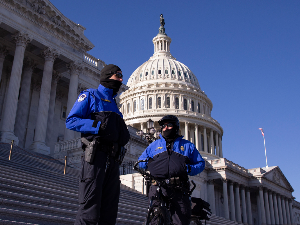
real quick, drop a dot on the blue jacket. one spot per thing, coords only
(89, 101)
(161, 164)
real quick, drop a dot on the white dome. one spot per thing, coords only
(163, 67)
(164, 86)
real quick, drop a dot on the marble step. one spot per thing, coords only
(37, 161)
(19, 173)
(21, 194)
(9, 212)
(58, 207)
(44, 218)
(40, 172)
(36, 184)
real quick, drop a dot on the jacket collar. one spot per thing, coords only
(164, 141)
(107, 92)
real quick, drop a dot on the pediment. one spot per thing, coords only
(48, 17)
(275, 175)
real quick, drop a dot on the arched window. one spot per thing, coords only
(185, 104)
(150, 103)
(159, 102)
(134, 105)
(176, 103)
(204, 109)
(199, 111)
(193, 107)
(128, 107)
(142, 104)
(168, 102)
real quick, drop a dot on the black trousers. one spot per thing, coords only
(180, 205)
(98, 192)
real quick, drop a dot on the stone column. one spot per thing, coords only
(49, 134)
(276, 213)
(146, 102)
(192, 136)
(291, 211)
(75, 69)
(283, 210)
(220, 146)
(217, 144)
(279, 209)
(226, 209)
(142, 126)
(288, 215)
(205, 140)
(24, 102)
(237, 203)
(267, 209)
(211, 142)
(39, 144)
(244, 209)
(249, 210)
(10, 108)
(272, 215)
(4, 84)
(200, 140)
(258, 209)
(3, 53)
(211, 196)
(262, 206)
(197, 137)
(186, 131)
(232, 206)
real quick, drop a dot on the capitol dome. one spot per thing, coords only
(163, 86)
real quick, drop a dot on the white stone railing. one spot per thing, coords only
(91, 60)
(67, 145)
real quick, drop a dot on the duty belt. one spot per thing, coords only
(172, 181)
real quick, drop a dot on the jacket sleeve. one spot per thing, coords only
(144, 156)
(197, 163)
(79, 118)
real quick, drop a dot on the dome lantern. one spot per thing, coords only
(162, 41)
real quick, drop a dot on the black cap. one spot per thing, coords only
(169, 118)
(108, 71)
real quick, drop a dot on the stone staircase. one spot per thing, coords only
(34, 190)
(217, 220)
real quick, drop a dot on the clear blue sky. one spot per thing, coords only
(245, 54)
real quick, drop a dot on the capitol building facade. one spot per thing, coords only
(44, 65)
(163, 86)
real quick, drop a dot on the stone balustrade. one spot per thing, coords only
(67, 145)
(91, 60)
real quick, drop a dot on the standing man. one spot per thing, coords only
(103, 133)
(173, 158)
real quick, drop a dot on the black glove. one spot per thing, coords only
(112, 128)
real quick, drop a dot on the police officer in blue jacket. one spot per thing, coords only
(174, 158)
(95, 114)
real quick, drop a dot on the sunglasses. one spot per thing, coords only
(167, 125)
(119, 75)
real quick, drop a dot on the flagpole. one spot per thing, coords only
(263, 134)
